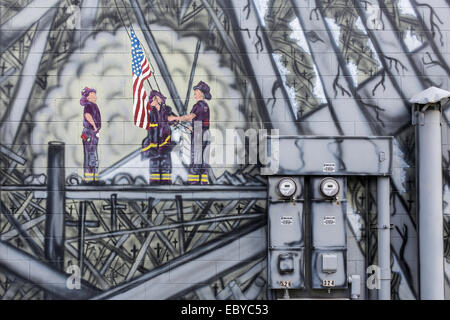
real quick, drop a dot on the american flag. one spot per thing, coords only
(141, 72)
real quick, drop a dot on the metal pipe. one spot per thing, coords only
(54, 218)
(431, 247)
(384, 238)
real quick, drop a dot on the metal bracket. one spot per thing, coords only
(418, 117)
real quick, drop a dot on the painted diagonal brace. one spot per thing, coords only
(25, 226)
(27, 217)
(12, 155)
(139, 258)
(185, 4)
(15, 28)
(385, 42)
(162, 237)
(22, 232)
(230, 206)
(40, 274)
(276, 109)
(434, 38)
(98, 277)
(115, 250)
(13, 117)
(191, 76)
(344, 102)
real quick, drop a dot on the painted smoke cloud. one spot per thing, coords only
(104, 63)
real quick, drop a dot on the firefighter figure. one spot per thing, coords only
(198, 170)
(157, 146)
(92, 123)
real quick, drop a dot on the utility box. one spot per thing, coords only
(286, 233)
(307, 204)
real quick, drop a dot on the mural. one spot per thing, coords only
(142, 204)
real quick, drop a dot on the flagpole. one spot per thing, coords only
(129, 36)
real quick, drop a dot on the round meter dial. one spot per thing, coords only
(329, 187)
(287, 187)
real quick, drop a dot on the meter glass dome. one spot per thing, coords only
(287, 187)
(329, 187)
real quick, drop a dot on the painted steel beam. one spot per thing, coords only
(344, 104)
(177, 225)
(215, 192)
(16, 27)
(12, 155)
(22, 95)
(436, 38)
(255, 51)
(188, 271)
(389, 45)
(37, 272)
(88, 14)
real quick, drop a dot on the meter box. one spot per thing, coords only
(307, 243)
(286, 269)
(286, 212)
(286, 232)
(328, 229)
(327, 210)
(329, 269)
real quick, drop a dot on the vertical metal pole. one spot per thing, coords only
(113, 212)
(431, 247)
(180, 216)
(81, 228)
(54, 217)
(191, 77)
(384, 238)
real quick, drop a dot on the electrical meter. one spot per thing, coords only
(287, 187)
(329, 187)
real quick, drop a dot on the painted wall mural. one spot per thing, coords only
(142, 206)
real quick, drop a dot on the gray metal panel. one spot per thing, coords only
(315, 155)
(328, 224)
(318, 275)
(292, 280)
(286, 225)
